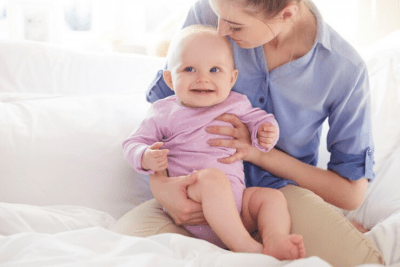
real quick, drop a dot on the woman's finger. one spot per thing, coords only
(240, 153)
(196, 222)
(196, 218)
(232, 143)
(232, 119)
(222, 130)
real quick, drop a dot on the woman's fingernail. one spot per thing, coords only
(209, 128)
(211, 142)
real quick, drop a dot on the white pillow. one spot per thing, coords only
(66, 150)
(32, 67)
(386, 236)
(383, 198)
(18, 218)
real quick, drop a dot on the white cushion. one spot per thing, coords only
(66, 150)
(31, 67)
(383, 198)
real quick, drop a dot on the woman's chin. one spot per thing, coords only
(245, 45)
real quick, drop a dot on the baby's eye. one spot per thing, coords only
(214, 69)
(189, 69)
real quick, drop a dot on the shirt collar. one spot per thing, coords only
(323, 36)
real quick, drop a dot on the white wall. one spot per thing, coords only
(138, 25)
(361, 22)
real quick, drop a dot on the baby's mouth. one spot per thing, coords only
(202, 91)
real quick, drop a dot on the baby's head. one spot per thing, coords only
(201, 70)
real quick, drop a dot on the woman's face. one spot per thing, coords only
(247, 30)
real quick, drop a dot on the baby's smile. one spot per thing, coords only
(202, 91)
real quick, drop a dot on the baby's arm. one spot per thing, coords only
(154, 158)
(142, 148)
(263, 128)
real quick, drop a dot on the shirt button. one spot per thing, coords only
(369, 151)
(261, 100)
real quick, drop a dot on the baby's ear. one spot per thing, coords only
(168, 79)
(234, 76)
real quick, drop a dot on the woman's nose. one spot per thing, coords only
(223, 28)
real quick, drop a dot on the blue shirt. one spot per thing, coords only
(329, 82)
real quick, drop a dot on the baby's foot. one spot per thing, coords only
(285, 247)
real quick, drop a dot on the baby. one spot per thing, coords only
(173, 138)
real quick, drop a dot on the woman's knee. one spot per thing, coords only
(144, 220)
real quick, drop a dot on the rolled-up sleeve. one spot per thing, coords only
(350, 135)
(352, 166)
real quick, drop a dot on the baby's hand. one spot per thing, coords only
(266, 135)
(155, 158)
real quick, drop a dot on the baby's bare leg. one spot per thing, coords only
(214, 191)
(266, 209)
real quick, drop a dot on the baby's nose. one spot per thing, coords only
(202, 78)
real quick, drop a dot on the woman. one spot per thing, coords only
(293, 65)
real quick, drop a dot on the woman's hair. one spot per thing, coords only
(270, 8)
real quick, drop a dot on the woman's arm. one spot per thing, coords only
(171, 193)
(333, 188)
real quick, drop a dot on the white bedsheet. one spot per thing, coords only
(100, 247)
(78, 236)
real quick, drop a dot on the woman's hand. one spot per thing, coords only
(171, 193)
(240, 134)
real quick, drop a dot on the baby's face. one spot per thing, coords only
(204, 73)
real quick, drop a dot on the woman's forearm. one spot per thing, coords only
(171, 193)
(333, 188)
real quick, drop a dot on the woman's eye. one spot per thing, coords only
(235, 29)
(189, 69)
(215, 69)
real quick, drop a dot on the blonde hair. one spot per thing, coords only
(185, 34)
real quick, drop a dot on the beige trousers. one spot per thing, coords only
(326, 232)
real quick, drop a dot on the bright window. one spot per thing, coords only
(3, 19)
(142, 26)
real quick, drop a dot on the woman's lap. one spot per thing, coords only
(147, 219)
(326, 233)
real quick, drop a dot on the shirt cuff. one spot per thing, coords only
(353, 166)
(254, 138)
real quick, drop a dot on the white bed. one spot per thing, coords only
(64, 181)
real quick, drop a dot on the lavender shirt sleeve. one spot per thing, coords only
(254, 118)
(146, 134)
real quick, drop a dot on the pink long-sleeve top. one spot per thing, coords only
(182, 129)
